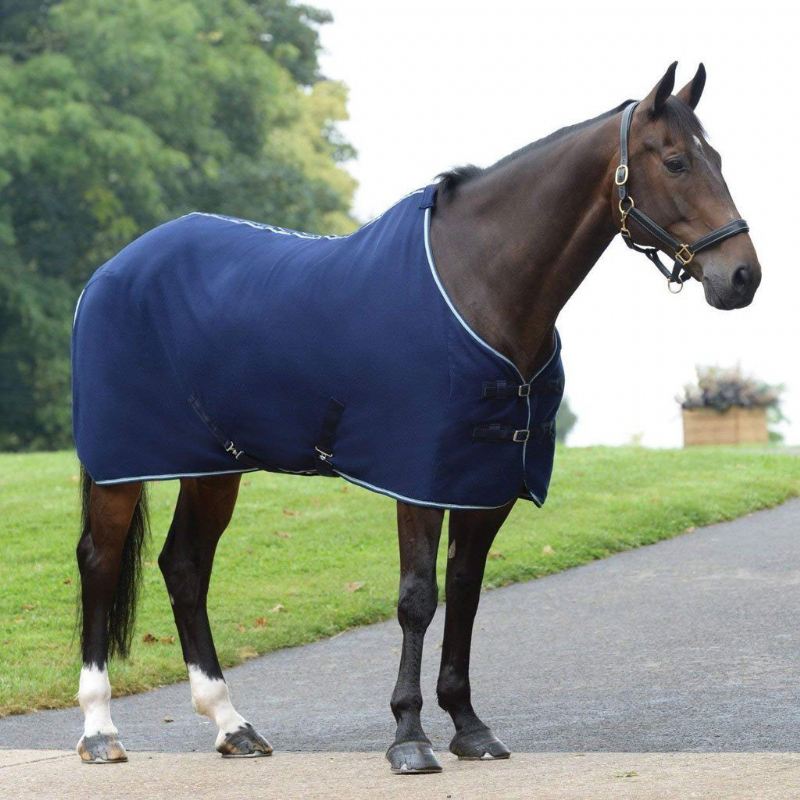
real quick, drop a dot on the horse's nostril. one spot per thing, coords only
(742, 277)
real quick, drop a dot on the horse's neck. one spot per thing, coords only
(513, 244)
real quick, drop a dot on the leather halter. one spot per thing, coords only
(682, 253)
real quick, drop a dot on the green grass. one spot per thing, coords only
(306, 558)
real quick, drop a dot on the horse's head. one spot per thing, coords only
(676, 180)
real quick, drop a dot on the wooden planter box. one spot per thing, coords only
(735, 426)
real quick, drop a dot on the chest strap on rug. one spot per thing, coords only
(495, 432)
(504, 390)
(324, 446)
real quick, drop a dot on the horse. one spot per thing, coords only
(494, 256)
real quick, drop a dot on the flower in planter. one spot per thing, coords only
(721, 389)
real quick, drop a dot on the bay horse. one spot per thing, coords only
(511, 244)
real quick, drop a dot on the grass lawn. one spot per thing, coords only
(306, 558)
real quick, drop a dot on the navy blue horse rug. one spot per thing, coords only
(214, 345)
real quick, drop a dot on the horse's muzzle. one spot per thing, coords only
(731, 290)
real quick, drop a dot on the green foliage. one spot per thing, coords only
(290, 39)
(306, 558)
(22, 26)
(34, 353)
(115, 116)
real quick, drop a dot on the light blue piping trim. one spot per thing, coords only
(177, 475)
(77, 306)
(411, 500)
(281, 231)
(344, 475)
(304, 472)
(547, 363)
(446, 297)
(426, 225)
(470, 331)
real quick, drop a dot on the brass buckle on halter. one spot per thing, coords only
(684, 255)
(621, 175)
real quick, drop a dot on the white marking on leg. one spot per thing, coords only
(94, 696)
(210, 697)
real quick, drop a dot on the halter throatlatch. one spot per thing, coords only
(682, 253)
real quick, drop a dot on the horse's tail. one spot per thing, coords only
(122, 611)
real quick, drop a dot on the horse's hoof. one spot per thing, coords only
(102, 748)
(245, 742)
(412, 758)
(477, 745)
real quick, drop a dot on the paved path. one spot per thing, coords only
(689, 645)
(34, 775)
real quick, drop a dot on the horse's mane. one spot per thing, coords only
(680, 118)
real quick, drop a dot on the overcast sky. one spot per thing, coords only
(438, 83)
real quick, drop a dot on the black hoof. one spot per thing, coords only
(412, 758)
(102, 748)
(244, 742)
(477, 745)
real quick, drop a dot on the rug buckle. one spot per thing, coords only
(230, 447)
(323, 456)
(521, 436)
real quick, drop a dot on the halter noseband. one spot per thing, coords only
(682, 253)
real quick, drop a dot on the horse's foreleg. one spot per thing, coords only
(471, 535)
(108, 592)
(204, 509)
(418, 530)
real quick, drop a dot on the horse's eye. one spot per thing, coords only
(675, 165)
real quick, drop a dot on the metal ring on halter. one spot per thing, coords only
(675, 282)
(626, 211)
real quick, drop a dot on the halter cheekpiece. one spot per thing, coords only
(682, 253)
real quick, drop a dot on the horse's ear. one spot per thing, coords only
(654, 102)
(691, 93)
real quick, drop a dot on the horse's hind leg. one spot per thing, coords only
(419, 530)
(108, 557)
(204, 508)
(471, 535)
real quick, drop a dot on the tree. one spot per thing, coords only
(116, 116)
(565, 421)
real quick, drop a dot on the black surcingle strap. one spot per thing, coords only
(323, 448)
(237, 453)
(327, 436)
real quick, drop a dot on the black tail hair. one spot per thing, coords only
(122, 612)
